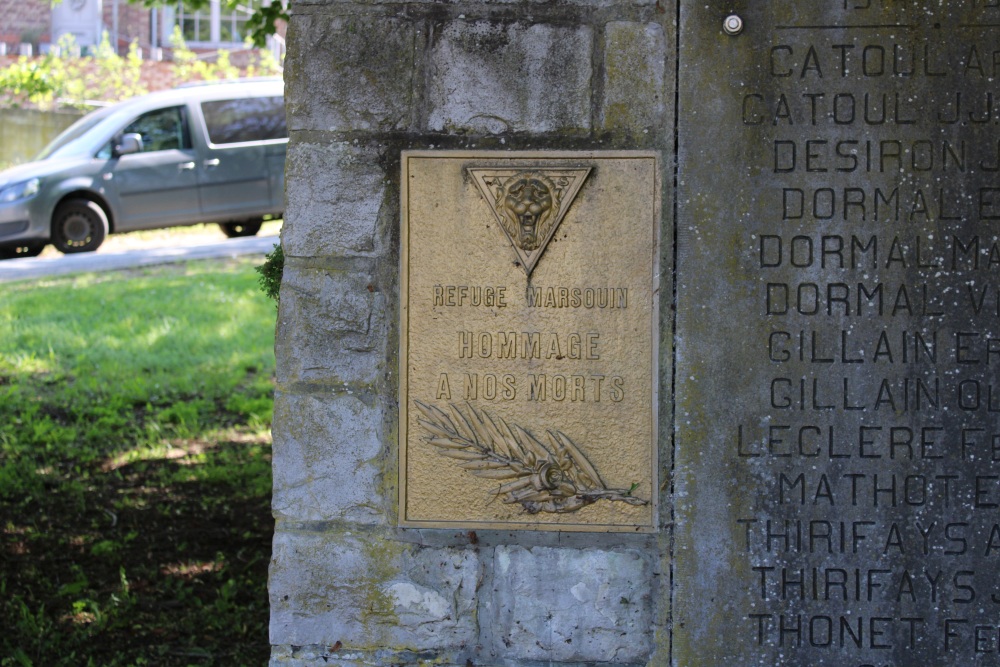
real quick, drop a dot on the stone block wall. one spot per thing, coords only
(364, 81)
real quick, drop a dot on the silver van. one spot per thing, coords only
(203, 153)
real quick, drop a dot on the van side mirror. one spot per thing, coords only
(129, 143)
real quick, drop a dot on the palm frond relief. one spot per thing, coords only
(553, 477)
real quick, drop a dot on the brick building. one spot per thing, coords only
(24, 21)
(39, 24)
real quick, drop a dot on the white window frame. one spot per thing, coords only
(215, 18)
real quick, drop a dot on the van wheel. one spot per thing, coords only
(242, 228)
(79, 225)
(26, 250)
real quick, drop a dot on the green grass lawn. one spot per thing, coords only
(135, 476)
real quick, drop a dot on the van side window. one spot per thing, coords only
(161, 130)
(246, 119)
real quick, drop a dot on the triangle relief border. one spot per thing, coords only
(529, 203)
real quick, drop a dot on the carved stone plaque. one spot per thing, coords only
(837, 476)
(528, 351)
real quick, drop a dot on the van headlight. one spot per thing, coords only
(18, 191)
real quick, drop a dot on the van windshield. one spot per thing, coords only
(74, 132)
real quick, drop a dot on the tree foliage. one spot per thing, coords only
(63, 78)
(62, 75)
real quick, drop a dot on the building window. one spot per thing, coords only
(216, 26)
(195, 26)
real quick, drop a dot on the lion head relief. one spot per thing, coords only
(528, 203)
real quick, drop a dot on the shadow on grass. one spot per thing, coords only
(135, 477)
(165, 563)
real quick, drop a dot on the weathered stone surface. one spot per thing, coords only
(366, 591)
(335, 193)
(634, 77)
(510, 77)
(571, 605)
(367, 80)
(326, 459)
(829, 420)
(330, 327)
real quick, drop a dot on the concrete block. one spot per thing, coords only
(568, 605)
(327, 459)
(634, 77)
(346, 73)
(330, 327)
(335, 194)
(365, 591)
(495, 77)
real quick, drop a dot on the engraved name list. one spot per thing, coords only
(859, 457)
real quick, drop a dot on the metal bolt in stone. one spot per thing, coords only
(733, 25)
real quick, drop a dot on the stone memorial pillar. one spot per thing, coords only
(472, 419)
(553, 392)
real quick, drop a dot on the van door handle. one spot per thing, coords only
(214, 162)
(185, 166)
